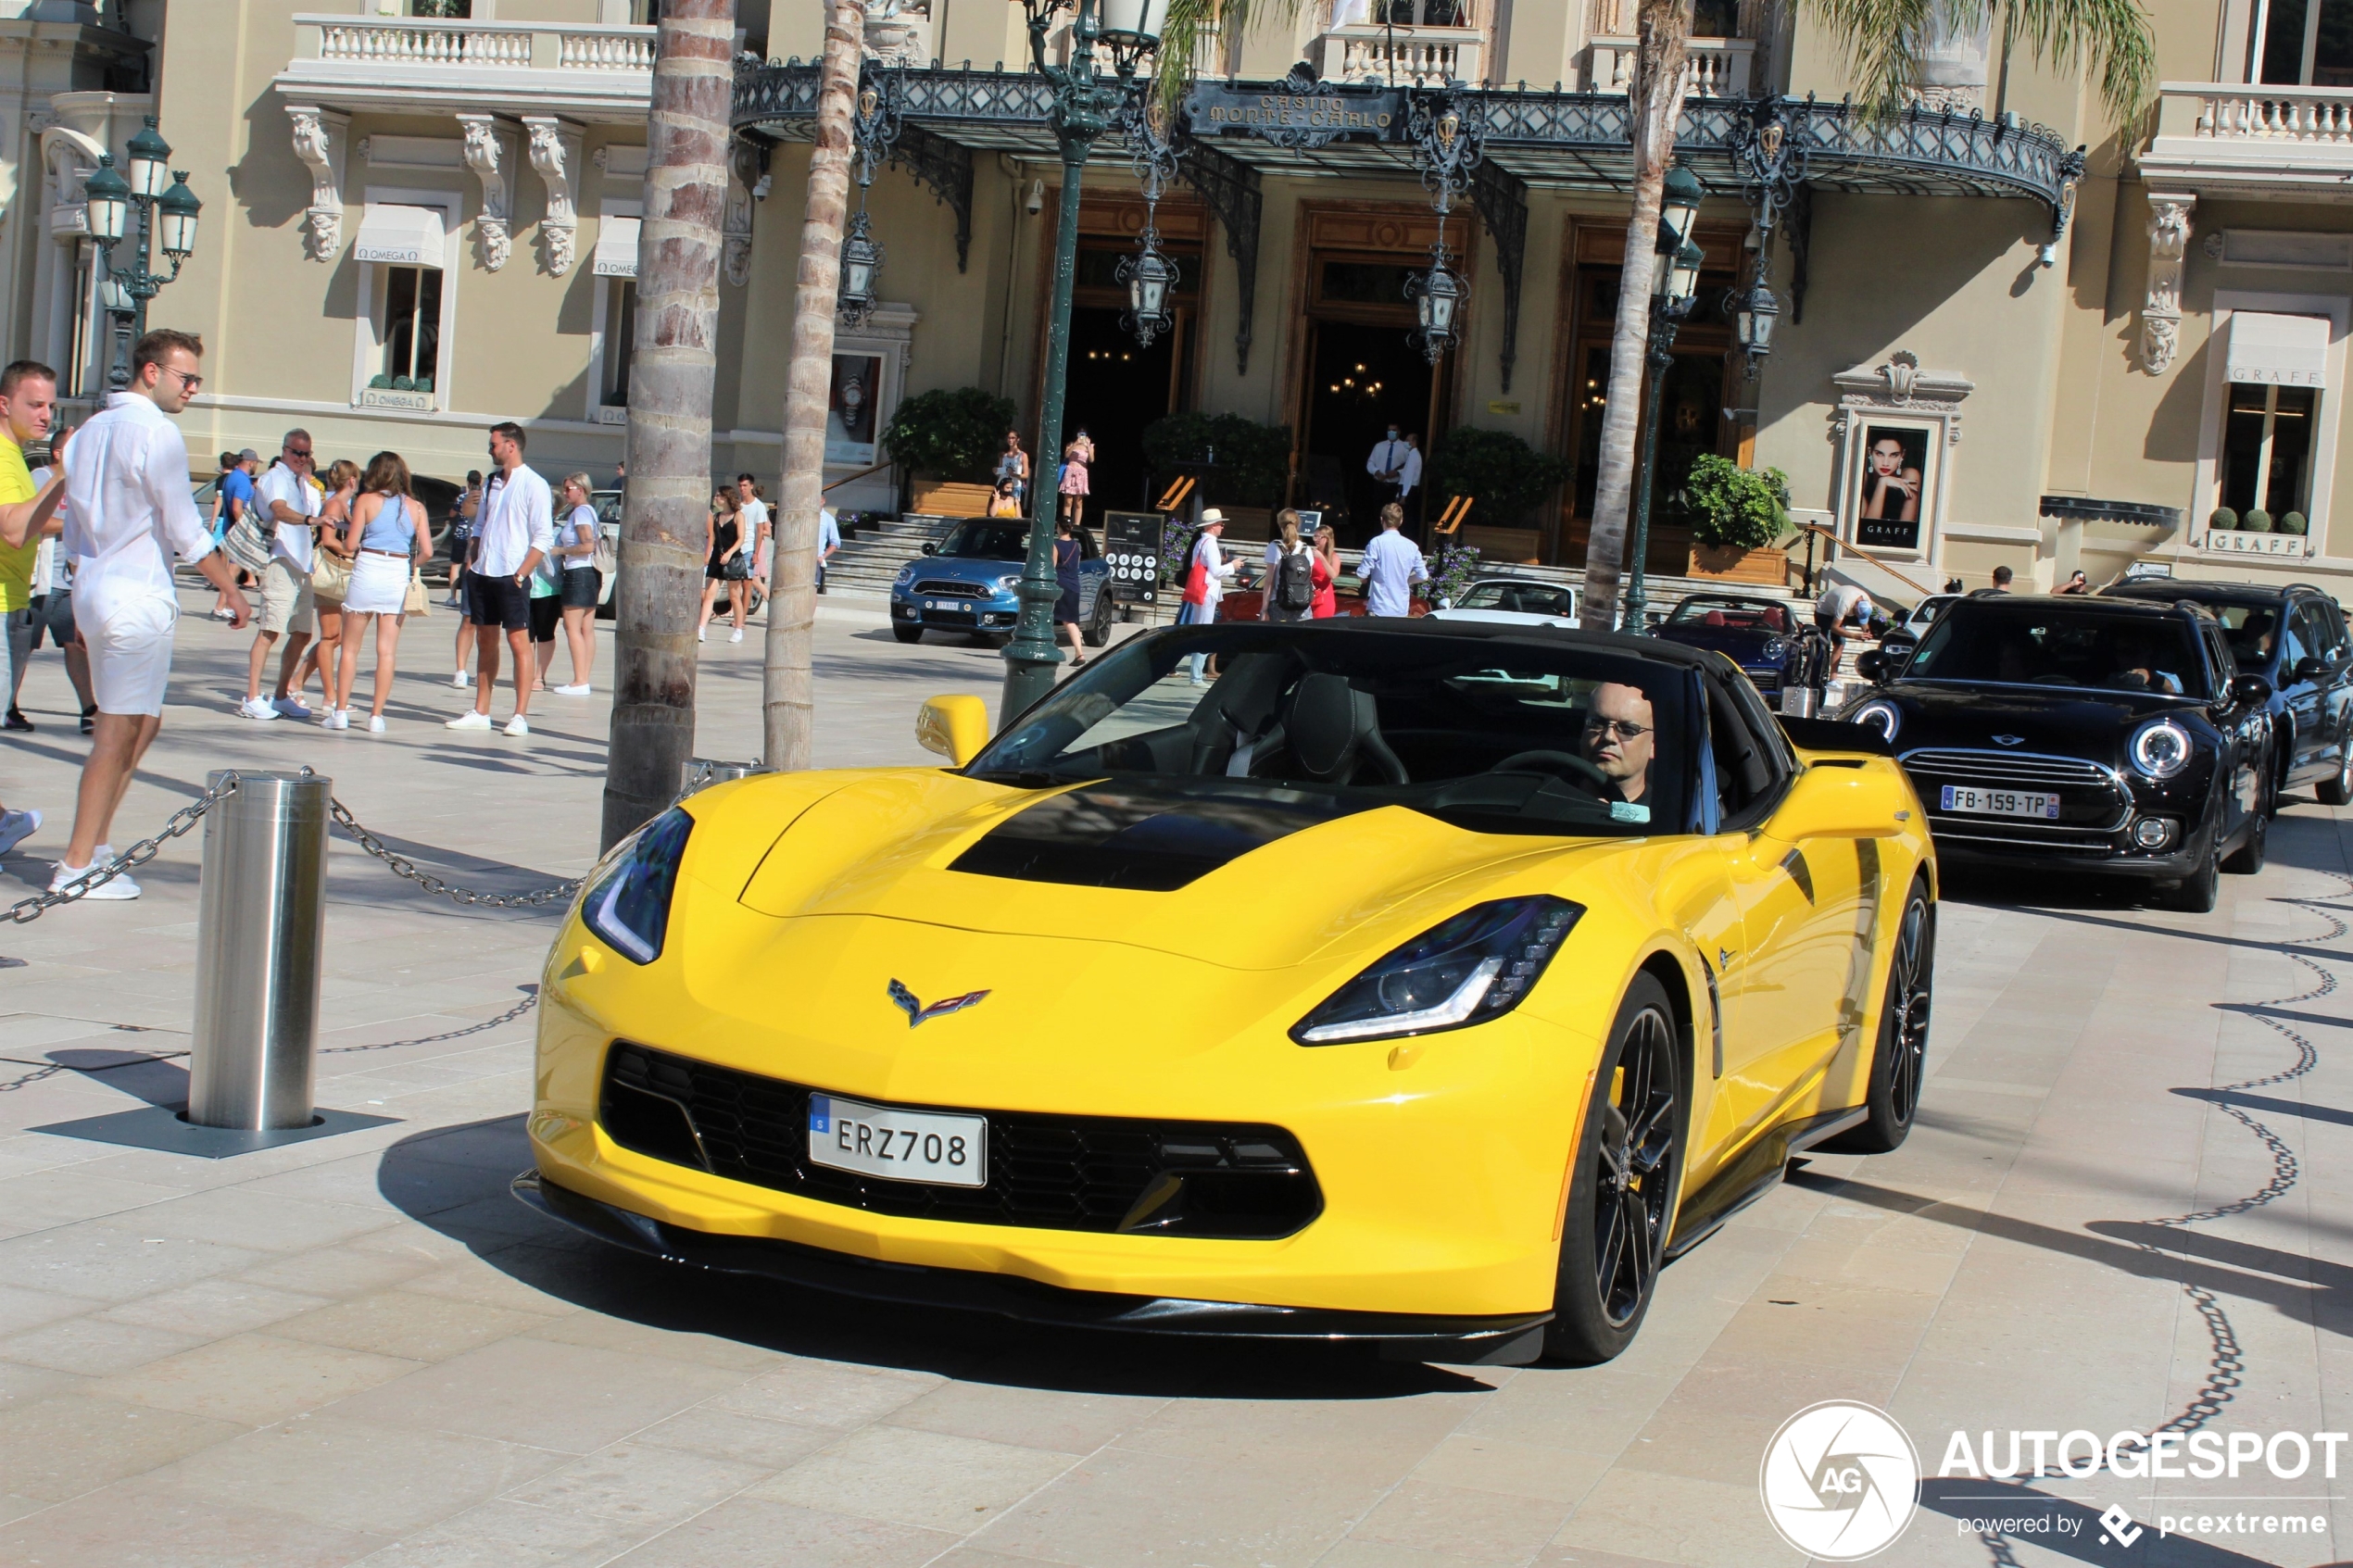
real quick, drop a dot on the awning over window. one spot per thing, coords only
(403, 237)
(617, 247)
(2279, 350)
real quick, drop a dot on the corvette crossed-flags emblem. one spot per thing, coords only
(918, 1013)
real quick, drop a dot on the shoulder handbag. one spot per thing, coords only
(607, 559)
(330, 575)
(416, 603)
(246, 544)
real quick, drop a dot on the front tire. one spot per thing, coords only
(1621, 1200)
(1098, 630)
(1899, 1061)
(2248, 858)
(2337, 790)
(2195, 894)
(905, 633)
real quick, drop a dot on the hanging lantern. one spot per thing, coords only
(109, 197)
(1151, 280)
(861, 261)
(1754, 314)
(1437, 296)
(1134, 24)
(149, 155)
(1682, 276)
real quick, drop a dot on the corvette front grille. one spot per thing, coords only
(1051, 1173)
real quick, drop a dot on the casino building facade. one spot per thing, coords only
(2066, 345)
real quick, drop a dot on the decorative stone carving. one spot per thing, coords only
(743, 173)
(555, 153)
(493, 245)
(319, 143)
(899, 32)
(2162, 306)
(1898, 382)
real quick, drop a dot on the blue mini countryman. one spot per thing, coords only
(970, 583)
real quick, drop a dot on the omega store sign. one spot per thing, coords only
(1319, 115)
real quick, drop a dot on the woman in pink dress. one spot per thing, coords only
(1076, 457)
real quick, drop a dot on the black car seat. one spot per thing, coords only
(1234, 720)
(1333, 729)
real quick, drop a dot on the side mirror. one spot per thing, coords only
(2252, 690)
(1828, 802)
(956, 727)
(2311, 669)
(1871, 665)
(930, 549)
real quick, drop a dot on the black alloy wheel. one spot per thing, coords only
(1621, 1202)
(906, 634)
(2197, 893)
(1097, 631)
(2337, 788)
(2248, 858)
(1899, 1061)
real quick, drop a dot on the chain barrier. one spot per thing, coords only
(26, 911)
(402, 866)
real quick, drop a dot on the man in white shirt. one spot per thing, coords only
(1390, 567)
(1842, 611)
(290, 498)
(758, 533)
(828, 541)
(1397, 463)
(513, 535)
(1210, 556)
(129, 510)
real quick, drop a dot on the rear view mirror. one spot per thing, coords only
(956, 727)
(1833, 802)
(1873, 666)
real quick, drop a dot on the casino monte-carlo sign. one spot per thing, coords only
(1305, 119)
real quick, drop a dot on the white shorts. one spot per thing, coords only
(130, 652)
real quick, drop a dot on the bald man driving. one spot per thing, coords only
(1618, 738)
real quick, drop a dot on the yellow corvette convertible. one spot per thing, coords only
(1424, 983)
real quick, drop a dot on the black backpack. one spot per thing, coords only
(1294, 581)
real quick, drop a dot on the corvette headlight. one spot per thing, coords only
(1466, 969)
(628, 905)
(1884, 716)
(2161, 749)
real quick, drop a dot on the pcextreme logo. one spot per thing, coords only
(1840, 1481)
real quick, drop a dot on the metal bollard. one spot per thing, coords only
(1801, 702)
(703, 771)
(261, 917)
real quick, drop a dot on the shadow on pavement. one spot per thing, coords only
(454, 1180)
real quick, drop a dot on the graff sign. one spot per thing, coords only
(1298, 119)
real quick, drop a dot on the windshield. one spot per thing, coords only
(988, 539)
(1490, 735)
(1524, 599)
(2253, 632)
(2051, 645)
(1708, 609)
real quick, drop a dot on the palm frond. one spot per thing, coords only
(1191, 22)
(1882, 41)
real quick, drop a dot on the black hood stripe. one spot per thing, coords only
(1153, 836)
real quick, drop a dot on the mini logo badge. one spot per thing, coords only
(1840, 1481)
(2009, 740)
(918, 1013)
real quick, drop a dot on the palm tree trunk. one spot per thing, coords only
(673, 366)
(788, 686)
(1654, 99)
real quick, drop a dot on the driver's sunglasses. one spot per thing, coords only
(1623, 729)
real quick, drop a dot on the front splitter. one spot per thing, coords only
(1514, 1340)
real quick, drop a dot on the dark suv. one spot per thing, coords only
(2294, 637)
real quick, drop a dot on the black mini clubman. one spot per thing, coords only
(2073, 734)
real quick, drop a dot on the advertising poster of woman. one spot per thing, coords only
(1890, 496)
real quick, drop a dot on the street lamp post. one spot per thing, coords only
(1675, 279)
(167, 223)
(1084, 103)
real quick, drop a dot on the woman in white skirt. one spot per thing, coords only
(389, 526)
(576, 565)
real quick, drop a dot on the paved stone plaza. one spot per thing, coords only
(361, 1349)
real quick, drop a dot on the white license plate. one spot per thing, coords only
(904, 1146)
(2001, 803)
(933, 604)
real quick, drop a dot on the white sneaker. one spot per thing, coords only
(375, 724)
(120, 887)
(737, 635)
(467, 721)
(336, 718)
(462, 680)
(518, 725)
(255, 709)
(580, 690)
(17, 826)
(291, 708)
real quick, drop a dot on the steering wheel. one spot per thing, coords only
(1566, 761)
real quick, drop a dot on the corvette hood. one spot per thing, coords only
(1243, 876)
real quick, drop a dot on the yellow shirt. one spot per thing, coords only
(16, 565)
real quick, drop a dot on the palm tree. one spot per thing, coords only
(787, 683)
(673, 366)
(1881, 41)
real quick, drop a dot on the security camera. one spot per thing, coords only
(1037, 202)
(759, 192)
(2048, 256)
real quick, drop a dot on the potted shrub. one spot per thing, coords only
(2257, 521)
(2223, 519)
(1736, 515)
(1505, 476)
(954, 434)
(2293, 522)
